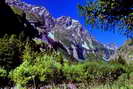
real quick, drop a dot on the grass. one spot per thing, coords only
(17, 10)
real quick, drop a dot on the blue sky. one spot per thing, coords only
(59, 8)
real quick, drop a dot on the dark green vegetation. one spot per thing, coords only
(110, 14)
(21, 65)
(10, 52)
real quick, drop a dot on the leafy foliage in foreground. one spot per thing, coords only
(10, 52)
(53, 68)
(49, 67)
(110, 14)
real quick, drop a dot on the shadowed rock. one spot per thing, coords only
(10, 23)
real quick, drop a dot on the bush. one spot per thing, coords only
(37, 68)
(3, 73)
(10, 52)
(4, 78)
(22, 74)
(74, 72)
(52, 68)
(119, 60)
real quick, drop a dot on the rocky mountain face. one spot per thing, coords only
(125, 52)
(62, 33)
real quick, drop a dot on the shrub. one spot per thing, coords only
(74, 72)
(48, 69)
(37, 68)
(3, 73)
(3, 77)
(22, 74)
(10, 52)
(120, 60)
(52, 68)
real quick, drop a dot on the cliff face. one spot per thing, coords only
(125, 52)
(63, 32)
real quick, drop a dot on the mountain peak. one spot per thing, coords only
(64, 32)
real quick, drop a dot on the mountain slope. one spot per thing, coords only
(63, 32)
(125, 52)
(11, 23)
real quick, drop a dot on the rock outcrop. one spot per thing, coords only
(125, 52)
